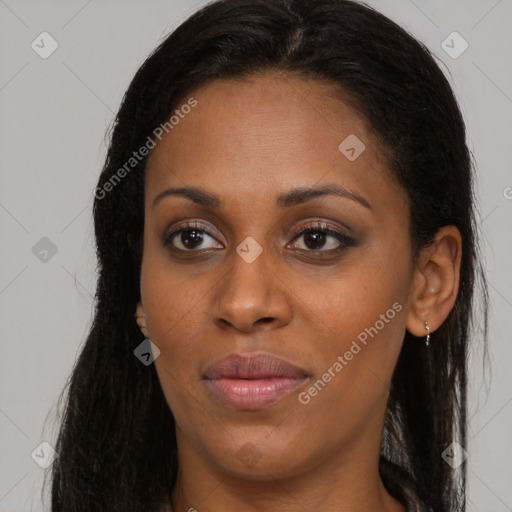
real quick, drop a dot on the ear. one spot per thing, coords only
(140, 316)
(436, 282)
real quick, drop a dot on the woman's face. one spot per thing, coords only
(245, 279)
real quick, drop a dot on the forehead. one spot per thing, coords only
(273, 129)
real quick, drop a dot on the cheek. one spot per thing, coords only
(176, 311)
(171, 305)
(360, 294)
(363, 308)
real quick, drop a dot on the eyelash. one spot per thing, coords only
(320, 227)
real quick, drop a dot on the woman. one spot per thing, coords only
(287, 260)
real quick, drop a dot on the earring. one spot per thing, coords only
(428, 334)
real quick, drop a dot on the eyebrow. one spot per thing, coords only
(293, 197)
(195, 194)
(302, 194)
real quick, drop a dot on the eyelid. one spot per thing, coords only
(309, 226)
(324, 225)
(344, 240)
(312, 222)
(190, 224)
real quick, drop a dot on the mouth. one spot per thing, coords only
(252, 382)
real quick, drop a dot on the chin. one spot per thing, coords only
(258, 460)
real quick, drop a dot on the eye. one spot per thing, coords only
(191, 237)
(321, 238)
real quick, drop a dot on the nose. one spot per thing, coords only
(252, 296)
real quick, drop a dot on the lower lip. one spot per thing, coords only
(253, 394)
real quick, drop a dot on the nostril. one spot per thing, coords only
(266, 320)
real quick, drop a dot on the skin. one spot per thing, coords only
(247, 142)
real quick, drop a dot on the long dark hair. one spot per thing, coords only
(116, 447)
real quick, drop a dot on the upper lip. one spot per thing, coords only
(258, 366)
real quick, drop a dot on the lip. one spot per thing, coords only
(253, 382)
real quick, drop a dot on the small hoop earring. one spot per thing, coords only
(428, 334)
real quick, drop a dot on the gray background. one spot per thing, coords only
(55, 113)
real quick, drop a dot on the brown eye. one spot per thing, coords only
(191, 238)
(321, 239)
(315, 239)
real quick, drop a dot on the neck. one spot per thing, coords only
(340, 482)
